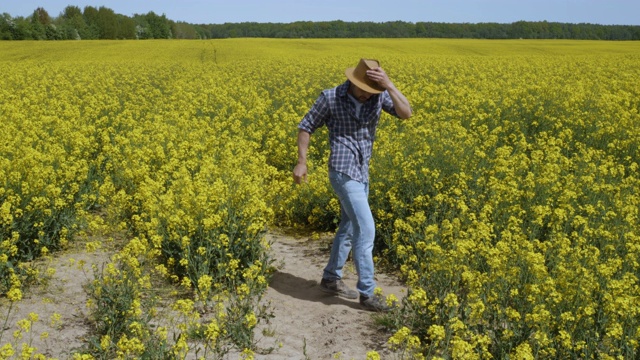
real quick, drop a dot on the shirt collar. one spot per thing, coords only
(343, 89)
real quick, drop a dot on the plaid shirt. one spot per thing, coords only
(351, 135)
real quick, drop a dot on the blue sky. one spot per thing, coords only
(606, 12)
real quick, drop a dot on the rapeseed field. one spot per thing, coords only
(509, 202)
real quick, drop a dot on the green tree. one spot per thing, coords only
(107, 22)
(43, 26)
(6, 27)
(555, 31)
(183, 30)
(22, 29)
(158, 26)
(72, 23)
(520, 30)
(126, 27)
(39, 20)
(41, 16)
(91, 31)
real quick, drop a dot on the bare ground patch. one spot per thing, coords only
(59, 302)
(306, 323)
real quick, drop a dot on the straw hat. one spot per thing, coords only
(358, 76)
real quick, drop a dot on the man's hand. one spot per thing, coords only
(300, 173)
(400, 102)
(380, 76)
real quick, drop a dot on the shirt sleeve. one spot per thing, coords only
(317, 115)
(387, 104)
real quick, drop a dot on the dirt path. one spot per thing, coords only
(307, 323)
(311, 324)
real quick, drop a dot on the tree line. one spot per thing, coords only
(92, 23)
(103, 23)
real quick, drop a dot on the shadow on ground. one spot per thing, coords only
(308, 290)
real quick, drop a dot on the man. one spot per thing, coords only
(351, 112)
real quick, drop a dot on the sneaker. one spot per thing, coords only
(374, 303)
(337, 287)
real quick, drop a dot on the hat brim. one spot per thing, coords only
(370, 87)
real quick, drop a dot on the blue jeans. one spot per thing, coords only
(356, 231)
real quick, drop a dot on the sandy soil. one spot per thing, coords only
(310, 323)
(307, 323)
(60, 303)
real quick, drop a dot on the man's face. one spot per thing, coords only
(360, 94)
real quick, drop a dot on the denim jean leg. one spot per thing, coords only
(339, 249)
(354, 202)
